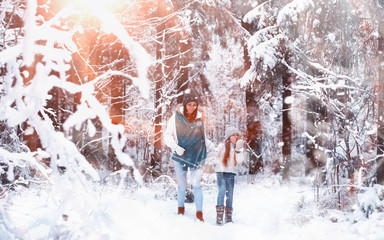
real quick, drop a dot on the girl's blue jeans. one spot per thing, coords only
(226, 184)
(181, 176)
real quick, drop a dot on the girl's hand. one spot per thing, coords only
(239, 145)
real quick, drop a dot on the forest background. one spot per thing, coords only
(87, 88)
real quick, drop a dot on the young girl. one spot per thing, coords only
(185, 135)
(226, 167)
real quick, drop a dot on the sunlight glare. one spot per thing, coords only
(103, 11)
(97, 6)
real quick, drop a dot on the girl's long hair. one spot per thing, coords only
(227, 145)
(190, 117)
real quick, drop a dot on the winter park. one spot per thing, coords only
(191, 119)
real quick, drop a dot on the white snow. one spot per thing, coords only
(264, 208)
(291, 11)
(289, 100)
(70, 206)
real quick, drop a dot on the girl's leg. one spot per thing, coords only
(229, 185)
(196, 184)
(181, 176)
(221, 189)
(220, 198)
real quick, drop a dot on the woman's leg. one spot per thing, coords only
(221, 189)
(229, 186)
(181, 176)
(196, 184)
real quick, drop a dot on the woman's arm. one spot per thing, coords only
(210, 145)
(218, 162)
(169, 134)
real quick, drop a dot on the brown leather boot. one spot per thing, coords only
(180, 210)
(220, 213)
(199, 215)
(228, 214)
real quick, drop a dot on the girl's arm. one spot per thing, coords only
(240, 151)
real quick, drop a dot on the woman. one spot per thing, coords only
(185, 135)
(231, 154)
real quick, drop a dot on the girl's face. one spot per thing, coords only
(191, 106)
(234, 137)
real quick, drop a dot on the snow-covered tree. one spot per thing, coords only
(37, 84)
(334, 69)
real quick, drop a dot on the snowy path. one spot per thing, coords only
(263, 210)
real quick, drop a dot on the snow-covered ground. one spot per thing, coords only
(264, 209)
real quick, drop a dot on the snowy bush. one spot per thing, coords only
(371, 200)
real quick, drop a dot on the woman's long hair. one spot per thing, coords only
(227, 145)
(191, 117)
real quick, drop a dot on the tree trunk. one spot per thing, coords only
(253, 122)
(254, 132)
(157, 148)
(287, 125)
(380, 121)
(184, 71)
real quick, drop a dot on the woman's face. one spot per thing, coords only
(234, 137)
(191, 106)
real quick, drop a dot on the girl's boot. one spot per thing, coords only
(228, 214)
(220, 214)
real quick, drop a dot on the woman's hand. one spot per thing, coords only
(178, 108)
(179, 150)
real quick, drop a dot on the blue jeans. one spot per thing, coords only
(226, 184)
(181, 176)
